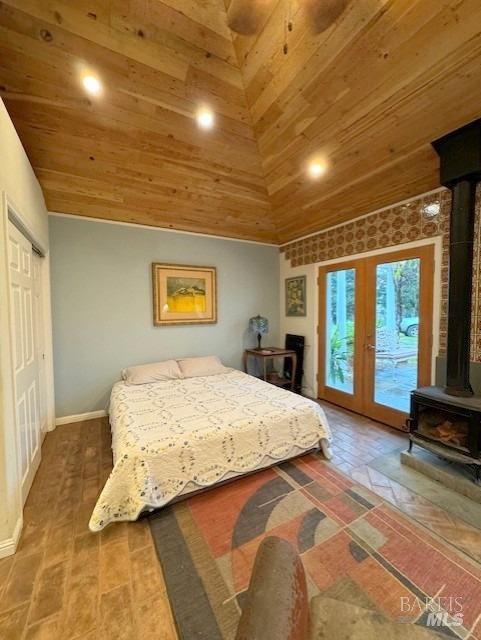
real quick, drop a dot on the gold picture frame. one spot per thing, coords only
(296, 297)
(184, 294)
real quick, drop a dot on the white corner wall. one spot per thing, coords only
(18, 181)
(20, 190)
(305, 326)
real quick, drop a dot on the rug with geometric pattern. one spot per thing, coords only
(354, 547)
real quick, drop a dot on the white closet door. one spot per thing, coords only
(25, 354)
(40, 340)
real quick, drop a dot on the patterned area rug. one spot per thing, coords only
(354, 547)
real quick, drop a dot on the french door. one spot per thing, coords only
(375, 332)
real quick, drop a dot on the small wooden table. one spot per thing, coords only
(269, 353)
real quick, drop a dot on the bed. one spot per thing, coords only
(173, 437)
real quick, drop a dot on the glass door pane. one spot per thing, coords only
(340, 297)
(397, 323)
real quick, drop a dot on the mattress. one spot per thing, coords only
(176, 436)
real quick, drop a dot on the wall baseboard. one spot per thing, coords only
(80, 417)
(9, 546)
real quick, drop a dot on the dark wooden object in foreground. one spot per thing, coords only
(278, 608)
(277, 605)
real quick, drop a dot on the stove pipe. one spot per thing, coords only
(460, 171)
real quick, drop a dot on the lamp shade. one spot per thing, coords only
(258, 324)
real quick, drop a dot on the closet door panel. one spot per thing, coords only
(24, 355)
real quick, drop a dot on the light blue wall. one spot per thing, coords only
(102, 303)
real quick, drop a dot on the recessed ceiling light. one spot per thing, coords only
(205, 118)
(317, 169)
(92, 84)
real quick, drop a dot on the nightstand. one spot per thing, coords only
(269, 353)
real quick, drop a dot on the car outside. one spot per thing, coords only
(409, 326)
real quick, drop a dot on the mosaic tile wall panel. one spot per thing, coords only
(424, 217)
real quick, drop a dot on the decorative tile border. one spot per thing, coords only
(389, 228)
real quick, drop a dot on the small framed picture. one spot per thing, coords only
(296, 296)
(184, 294)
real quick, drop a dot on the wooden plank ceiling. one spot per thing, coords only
(135, 153)
(367, 95)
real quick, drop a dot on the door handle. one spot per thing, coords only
(372, 347)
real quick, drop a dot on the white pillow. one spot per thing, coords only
(204, 366)
(155, 372)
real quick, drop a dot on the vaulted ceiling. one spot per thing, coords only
(134, 153)
(367, 96)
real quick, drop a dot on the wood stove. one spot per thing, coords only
(447, 426)
(448, 421)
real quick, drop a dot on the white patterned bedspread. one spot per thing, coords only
(198, 431)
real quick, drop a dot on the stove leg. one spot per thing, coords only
(410, 445)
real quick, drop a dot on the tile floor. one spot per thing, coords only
(65, 582)
(358, 442)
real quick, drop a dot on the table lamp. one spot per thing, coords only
(259, 325)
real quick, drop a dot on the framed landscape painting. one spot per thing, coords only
(296, 296)
(184, 294)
